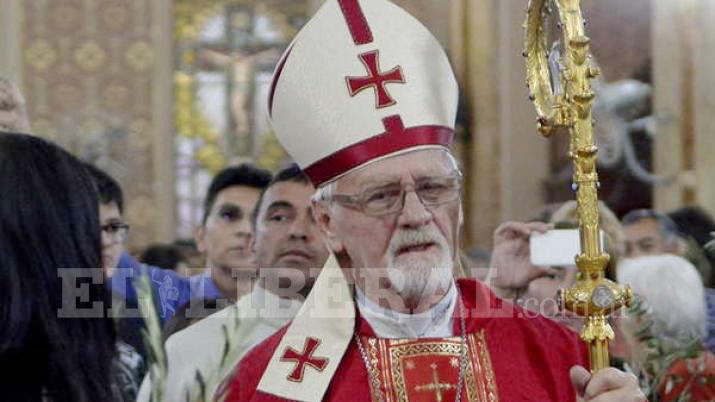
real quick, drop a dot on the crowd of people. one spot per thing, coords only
(339, 277)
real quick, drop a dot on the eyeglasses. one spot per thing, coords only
(389, 199)
(117, 230)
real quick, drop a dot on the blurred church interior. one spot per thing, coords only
(163, 93)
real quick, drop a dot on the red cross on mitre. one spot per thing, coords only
(375, 79)
(301, 359)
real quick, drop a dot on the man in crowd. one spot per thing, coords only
(374, 103)
(121, 269)
(288, 246)
(111, 211)
(114, 235)
(225, 233)
(223, 237)
(650, 233)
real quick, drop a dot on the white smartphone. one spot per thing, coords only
(556, 248)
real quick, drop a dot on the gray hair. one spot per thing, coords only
(671, 288)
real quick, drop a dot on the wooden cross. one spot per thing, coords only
(304, 358)
(375, 79)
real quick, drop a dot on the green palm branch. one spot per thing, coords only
(662, 354)
(234, 338)
(152, 337)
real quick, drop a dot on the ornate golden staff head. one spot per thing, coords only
(560, 86)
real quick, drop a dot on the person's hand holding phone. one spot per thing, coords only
(511, 269)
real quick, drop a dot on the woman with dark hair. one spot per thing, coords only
(54, 345)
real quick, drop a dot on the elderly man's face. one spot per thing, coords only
(415, 246)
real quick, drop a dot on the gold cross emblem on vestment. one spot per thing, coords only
(435, 385)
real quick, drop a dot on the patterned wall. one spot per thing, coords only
(87, 69)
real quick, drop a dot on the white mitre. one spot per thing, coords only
(361, 81)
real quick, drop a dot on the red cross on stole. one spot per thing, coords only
(427, 370)
(375, 79)
(304, 358)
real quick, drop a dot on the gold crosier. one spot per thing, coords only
(560, 86)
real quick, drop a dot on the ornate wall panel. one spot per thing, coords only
(87, 76)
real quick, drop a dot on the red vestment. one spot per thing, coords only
(517, 355)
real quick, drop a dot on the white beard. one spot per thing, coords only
(423, 276)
